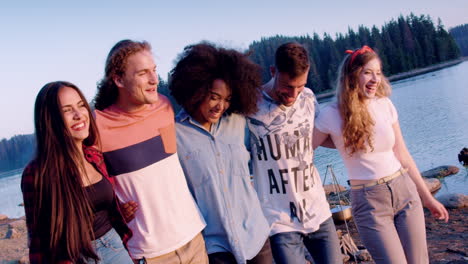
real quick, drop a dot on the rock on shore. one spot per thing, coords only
(13, 241)
(454, 201)
(433, 184)
(441, 171)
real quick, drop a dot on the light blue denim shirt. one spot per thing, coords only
(215, 164)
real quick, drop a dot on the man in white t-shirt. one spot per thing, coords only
(286, 180)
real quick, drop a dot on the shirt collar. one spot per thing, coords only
(184, 117)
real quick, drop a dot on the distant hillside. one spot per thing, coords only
(460, 34)
(16, 152)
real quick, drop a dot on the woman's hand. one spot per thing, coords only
(403, 155)
(437, 209)
(128, 210)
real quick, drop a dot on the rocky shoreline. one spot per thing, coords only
(447, 242)
(13, 241)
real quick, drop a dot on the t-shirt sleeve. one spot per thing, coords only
(247, 136)
(321, 120)
(316, 107)
(393, 112)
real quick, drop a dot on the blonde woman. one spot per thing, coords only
(387, 190)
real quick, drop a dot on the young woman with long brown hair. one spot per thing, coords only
(385, 182)
(72, 213)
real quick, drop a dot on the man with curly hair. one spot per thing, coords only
(137, 129)
(287, 182)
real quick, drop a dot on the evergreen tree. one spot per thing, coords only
(403, 44)
(16, 152)
(460, 37)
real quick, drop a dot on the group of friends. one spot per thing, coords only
(131, 182)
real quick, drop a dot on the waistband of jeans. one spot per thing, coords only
(382, 180)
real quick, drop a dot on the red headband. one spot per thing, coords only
(362, 50)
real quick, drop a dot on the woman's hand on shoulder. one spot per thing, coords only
(128, 210)
(437, 209)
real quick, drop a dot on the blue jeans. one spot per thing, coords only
(110, 249)
(323, 245)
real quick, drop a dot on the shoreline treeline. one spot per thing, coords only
(460, 34)
(404, 44)
(16, 152)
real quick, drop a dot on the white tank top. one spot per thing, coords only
(368, 165)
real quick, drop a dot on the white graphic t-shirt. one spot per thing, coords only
(286, 180)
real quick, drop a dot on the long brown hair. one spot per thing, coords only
(61, 210)
(357, 122)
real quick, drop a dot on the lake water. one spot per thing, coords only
(11, 196)
(433, 114)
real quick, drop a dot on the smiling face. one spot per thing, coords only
(286, 89)
(75, 114)
(139, 83)
(370, 78)
(214, 105)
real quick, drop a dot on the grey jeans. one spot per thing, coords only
(390, 221)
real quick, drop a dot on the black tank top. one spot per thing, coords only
(102, 198)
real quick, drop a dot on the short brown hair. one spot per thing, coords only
(107, 91)
(292, 58)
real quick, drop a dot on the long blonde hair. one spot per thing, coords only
(357, 122)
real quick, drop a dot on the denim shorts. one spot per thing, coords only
(110, 249)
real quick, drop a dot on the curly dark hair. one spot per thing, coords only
(292, 58)
(107, 91)
(199, 65)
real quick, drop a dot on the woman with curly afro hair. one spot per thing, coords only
(216, 87)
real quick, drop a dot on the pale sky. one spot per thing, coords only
(44, 41)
